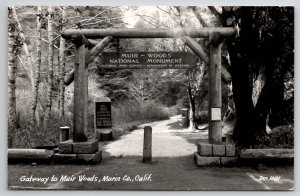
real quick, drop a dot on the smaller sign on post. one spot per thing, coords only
(102, 119)
(216, 114)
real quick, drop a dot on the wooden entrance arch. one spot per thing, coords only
(87, 54)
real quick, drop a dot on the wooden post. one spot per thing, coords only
(147, 150)
(80, 90)
(199, 51)
(215, 94)
(95, 51)
(64, 133)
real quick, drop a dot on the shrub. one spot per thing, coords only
(29, 135)
(201, 118)
(281, 137)
(131, 111)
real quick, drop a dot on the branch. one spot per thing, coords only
(198, 16)
(48, 43)
(98, 14)
(179, 15)
(175, 19)
(216, 13)
(85, 21)
(156, 26)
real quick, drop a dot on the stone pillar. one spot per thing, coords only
(215, 94)
(103, 119)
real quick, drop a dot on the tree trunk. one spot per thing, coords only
(244, 131)
(29, 154)
(29, 61)
(271, 96)
(191, 113)
(258, 84)
(12, 73)
(35, 115)
(62, 67)
(50, 68)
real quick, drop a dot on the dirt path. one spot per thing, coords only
(173, 167)
(169, 139)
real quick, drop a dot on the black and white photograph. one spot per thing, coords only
(150, 98)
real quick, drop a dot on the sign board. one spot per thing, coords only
(148, 60)
(184, 111)
(215, 114)
(103, 114)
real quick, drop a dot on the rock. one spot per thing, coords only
(230, 150)
(206, 161)
(87, 147)
(34, 164)
(65, 147)
(228, 160)
(218, 150)
(205, 149)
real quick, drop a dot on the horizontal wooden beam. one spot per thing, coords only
(149, 33)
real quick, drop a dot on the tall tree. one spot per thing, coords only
(62, 62)
(50, 67)
(39, 18)
(28, 55)
(13, 49)
(265, 41)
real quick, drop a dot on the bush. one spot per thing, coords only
(281, 137)
(132, 111)
(127, 116)
(201, 118)
(30, 135)
(118, 131)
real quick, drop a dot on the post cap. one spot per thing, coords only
(102, 99)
